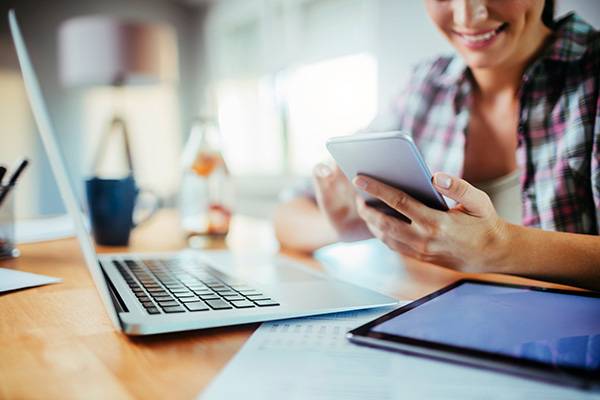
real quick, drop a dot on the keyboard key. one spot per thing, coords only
(242, 304)
(196, 306)
(197, 287)
(203, 291)
(255, 294)
(211, 296)
(189, 299)
(164, 304)
(183, 290)
(152, 286)
(173, 309)
(266, 303)
(247, 292)
(147, 304)
(183, 294)
(143, 298)
(233, 297)
(224, 291)
(163, 298)
(262, 298)
(217, 286)
(157, 291)
(152, 310)
(240, 287)
(218, 304)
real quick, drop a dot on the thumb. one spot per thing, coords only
(322, 179)
(472, 199)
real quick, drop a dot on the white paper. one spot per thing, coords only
(310, 358)
(12, 280)
(43, 229)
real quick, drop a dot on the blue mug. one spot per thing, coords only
(112, 204)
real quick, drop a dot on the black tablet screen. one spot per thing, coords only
(553, 328)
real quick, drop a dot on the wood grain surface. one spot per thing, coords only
(56, 341)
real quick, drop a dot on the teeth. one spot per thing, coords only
(479, 38)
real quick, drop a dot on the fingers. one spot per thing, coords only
(387, 227)
(474, 201)
(335, 196)
(395, 198)
(394, 245)
(322, 178)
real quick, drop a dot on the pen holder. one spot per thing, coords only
(7, 228)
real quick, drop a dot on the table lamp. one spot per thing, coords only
(108, 51)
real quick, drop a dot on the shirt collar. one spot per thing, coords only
(570, 39)
(455, 72)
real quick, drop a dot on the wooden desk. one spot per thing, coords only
(56, 341)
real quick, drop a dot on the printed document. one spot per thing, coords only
(310, 358)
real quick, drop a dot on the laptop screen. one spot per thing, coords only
(44, 125)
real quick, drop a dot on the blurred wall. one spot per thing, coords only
(39, 23)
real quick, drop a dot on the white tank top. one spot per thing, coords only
(505, 193)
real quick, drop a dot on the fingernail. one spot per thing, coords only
(443, 180)
(360, 182)
(322, 170)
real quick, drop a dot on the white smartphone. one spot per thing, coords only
(392, 158)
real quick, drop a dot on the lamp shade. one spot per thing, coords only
(100, 50)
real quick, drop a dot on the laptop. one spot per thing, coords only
(155, 293)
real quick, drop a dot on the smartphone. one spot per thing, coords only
(389, 157)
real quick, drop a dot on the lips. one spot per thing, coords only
(481, 39)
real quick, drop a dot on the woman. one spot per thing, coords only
(516, 114)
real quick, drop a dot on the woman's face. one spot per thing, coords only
(490, 33)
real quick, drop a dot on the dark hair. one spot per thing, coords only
(548, 14)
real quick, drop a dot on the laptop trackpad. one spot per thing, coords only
(260, 268)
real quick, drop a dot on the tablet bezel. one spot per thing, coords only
(573, 376)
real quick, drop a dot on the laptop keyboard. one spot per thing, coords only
(175, 286)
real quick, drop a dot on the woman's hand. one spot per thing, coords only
(335, 197)
(470, 237)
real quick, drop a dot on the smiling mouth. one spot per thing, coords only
(482, 38)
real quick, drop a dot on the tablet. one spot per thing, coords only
(549, 334)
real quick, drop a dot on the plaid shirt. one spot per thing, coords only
(558, 151)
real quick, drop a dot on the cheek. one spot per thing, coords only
(518, 13)
(440, 13)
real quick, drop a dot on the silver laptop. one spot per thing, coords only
(156, 293)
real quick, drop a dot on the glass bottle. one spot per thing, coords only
(206, 189)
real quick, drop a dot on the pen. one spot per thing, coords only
(22, 165)
(5, 189)
(2, 172)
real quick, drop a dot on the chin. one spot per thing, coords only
(489, 59)
(480, 62)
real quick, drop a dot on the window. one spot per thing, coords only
(250, 126)
(330, 98)
(288, 74)
(276, 125)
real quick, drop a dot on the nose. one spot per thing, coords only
(469, 12)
